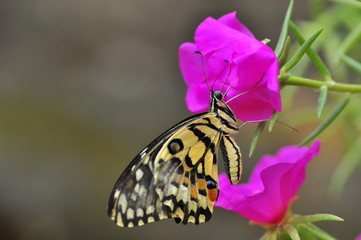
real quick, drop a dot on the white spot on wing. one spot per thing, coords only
(130, 213)
(169, 203)
(116, 194)
(159, 192)
(171, 190)
(123, 203)
(143, 153)
(150, 219)
(150, 210)
(136, 188)
(134, 197)
(142, 191)
(140, 212)
(120, 220)
(139, 174)
(182, 193)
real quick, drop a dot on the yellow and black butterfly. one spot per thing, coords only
(176, 175)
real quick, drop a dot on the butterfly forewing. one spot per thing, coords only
(176, 175)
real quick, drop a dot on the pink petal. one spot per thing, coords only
(198, 98)
(358, 237)
(190, 63)
(212, 35)
(232, 59)
(273, 184)
(232, 21)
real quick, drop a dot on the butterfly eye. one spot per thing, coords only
(175, 146)
(218, 95)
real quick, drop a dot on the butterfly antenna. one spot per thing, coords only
(289, 126)
(256, 85)
(268, 119)
(238, 95)
(225, 80)
(204, 72)
(230, 85)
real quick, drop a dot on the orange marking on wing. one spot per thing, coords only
(194, 192)
(201, 184)
(186, 180)
(212, 194)
(187, 168)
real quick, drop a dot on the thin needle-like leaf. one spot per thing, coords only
(351, 39)
(273, 121)
(299, 54)
(256, 137)
(314, 218)
(321, 100)
(316, 60)
(292, 232)
(328, 120)
(304, 234)
(284, 31)
(318, 232)
(345, 168)
(352, 63)
(284, 55)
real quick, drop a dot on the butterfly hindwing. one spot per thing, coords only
(174, 177)
(191, 191)
(232, 158)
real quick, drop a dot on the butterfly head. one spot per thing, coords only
(220, 107)
(217, 95)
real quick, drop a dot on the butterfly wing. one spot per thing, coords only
(232, 158)
(173, 177)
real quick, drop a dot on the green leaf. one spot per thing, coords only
(314, 218)
(311, 83)
(321, 100)
(344, 170)
(316, 60)
(351, 39)
(269, 236)
(291, 231)
(351, 3)
(328, 120)
(273, 121)
(299, 54)
(352, 63)
(284, 55)
(304, 234)
(284, 31)
(256, 137)
(309, 227)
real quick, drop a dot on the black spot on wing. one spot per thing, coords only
(211, 183)
(176, 145)
(188, 161)
(202, 192)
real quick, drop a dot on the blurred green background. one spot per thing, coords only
(85, 85)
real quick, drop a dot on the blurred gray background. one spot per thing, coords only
(85, 85)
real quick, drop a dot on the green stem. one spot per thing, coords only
(332, 86)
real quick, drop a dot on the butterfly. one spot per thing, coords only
(176, 175)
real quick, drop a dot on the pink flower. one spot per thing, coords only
(234, 59)
(272, 186)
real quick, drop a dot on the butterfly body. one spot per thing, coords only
(176, 175)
